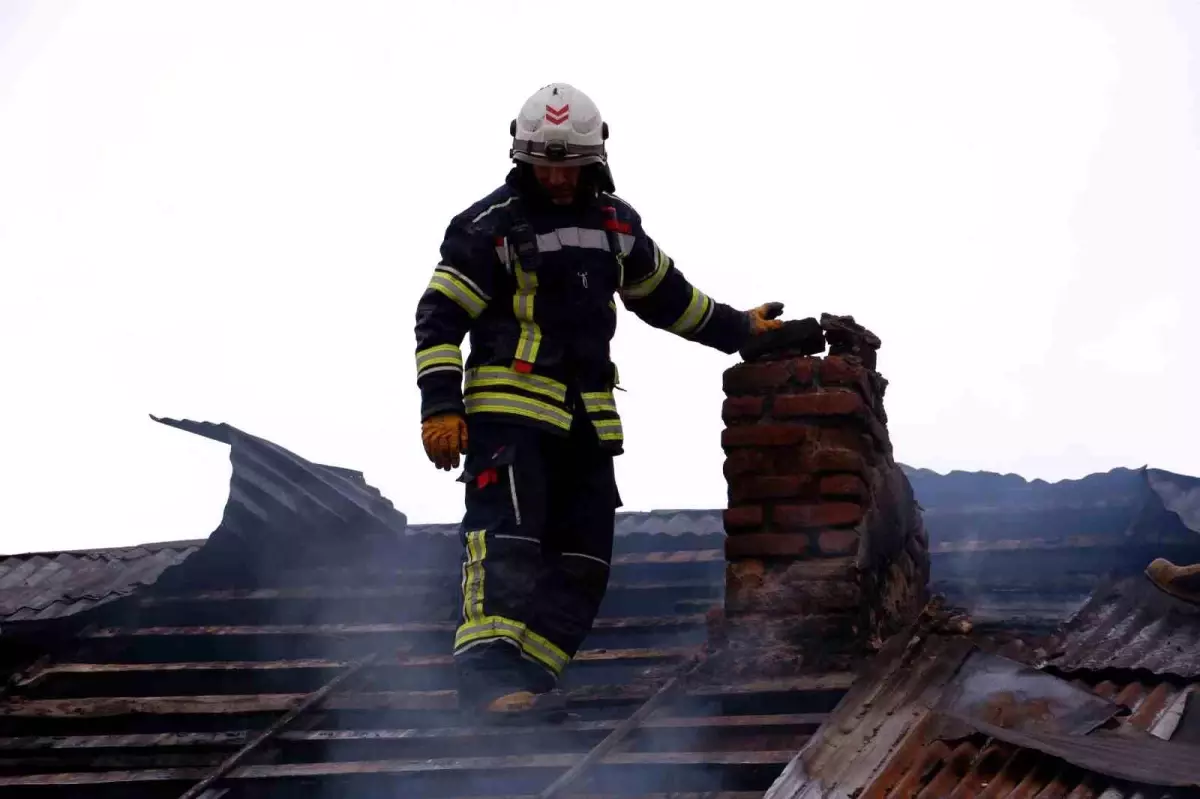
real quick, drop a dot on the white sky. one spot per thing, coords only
(226, 211)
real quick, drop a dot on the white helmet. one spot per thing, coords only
(559, 125)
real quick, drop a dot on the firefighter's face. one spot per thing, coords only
(558, 181)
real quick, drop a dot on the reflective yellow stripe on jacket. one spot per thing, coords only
(458, 287)
(502, 390)
(531, 335)
(601, 408)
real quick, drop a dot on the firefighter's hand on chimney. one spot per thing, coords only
(765, 317)
(445, 439)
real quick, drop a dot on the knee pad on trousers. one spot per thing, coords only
(588, 574)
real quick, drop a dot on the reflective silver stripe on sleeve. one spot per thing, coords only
(451, 283)
(439, 358)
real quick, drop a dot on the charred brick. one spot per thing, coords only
(748, 487)
(746, 462)
(741, 408)
(767, 545)
(763, 435)
(838, 542)
(838, 402)
(826, 514)
(843, 485)
(838, 460)
(743, 517)
(757, 378)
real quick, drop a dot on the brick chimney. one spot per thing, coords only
(826, 552)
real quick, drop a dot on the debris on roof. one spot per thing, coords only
(1131, 625)
(935, 716)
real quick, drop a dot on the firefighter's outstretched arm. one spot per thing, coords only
(656, 291)
(458, 292)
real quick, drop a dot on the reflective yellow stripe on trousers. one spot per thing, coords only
(478, 627)
(531, 335)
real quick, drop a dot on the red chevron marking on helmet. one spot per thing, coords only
(557, 116)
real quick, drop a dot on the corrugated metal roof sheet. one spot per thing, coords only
(656, 522)
(934, 719)
(1180, 495)
(274, 495)
(1131, 625)
(40, 586)
(277, 494)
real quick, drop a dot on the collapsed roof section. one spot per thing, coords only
(938, 717)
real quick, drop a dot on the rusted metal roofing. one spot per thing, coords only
(936, 718)
(38, 586)
(1131, 625)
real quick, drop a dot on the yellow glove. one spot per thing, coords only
(445, 438)
(763, 318)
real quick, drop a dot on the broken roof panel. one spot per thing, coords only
(934, 717)
(1131, 625)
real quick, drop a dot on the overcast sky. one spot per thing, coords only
(226, 211)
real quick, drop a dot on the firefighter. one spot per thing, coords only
(530, 273)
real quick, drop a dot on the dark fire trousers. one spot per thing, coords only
(537, 543)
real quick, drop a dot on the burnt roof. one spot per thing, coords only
(276, 497)
(1132, 626)
(935, 716)
(309, 573)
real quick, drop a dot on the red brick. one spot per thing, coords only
(840, 436)
(825, 514)
(742, 517)
(837, 371)
(825, 403)
(767, 545)
(742, 408)
(838, 542)
(843, 485)
(803, 371)
(750, 487)
(838, 460)
(756, 378)
(747, 461)
(792, 460)
(763, 435)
